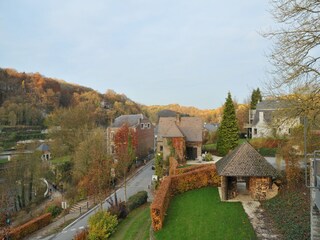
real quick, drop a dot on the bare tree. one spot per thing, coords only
(295, 57)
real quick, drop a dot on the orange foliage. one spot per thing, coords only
(189, 169)
(30, 227)
(202, 177)
(178, 143)
(264, 143)
(160, 204)
(187, 179)
(173, 164)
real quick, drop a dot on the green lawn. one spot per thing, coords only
(209, 147)
(136, 226)
(199, 214)
(3, 161)
(61, 160)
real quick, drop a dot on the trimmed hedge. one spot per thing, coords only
(137, 200)
(30, 227)
(189, 169)
(160, 204)
(173, 165)
(199, 177)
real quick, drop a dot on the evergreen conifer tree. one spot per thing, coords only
(256, 97)
(228, 132)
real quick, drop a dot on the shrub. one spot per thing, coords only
(268, 152)
(54, 209)
(208, 157)
(137, 200)
(101, 225)
(82, 235)
(120, 210)
(264, 143)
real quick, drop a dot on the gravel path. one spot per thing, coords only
(260, 222)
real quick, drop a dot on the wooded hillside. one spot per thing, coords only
(27, 98)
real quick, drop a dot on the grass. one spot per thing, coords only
(3, 161)
(184, 166)
(199, 214)
(61, 160)
(135, 226)
(209, 147)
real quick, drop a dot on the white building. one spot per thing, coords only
(267, 120)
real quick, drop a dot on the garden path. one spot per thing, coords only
(262, 226)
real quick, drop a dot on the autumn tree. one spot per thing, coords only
(228, 132)
(92, 165)
(125, 148)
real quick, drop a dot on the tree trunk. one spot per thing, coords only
(125, 187)
(23, 192)
(30, 187)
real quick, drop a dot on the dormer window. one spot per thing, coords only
(148, 125)
(142, 125)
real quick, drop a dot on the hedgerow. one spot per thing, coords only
(30, 227)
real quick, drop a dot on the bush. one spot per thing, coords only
(120, 209)
(101, 225)
(137, 200)
(208, 157)
(54, 209)
(82, 235)
(268, 152)
(265, 143)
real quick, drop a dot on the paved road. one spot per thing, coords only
(138, 183)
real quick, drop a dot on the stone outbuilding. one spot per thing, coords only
(181, 135)
(45, 149)
(244, 164)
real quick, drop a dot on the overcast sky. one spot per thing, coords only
(190, 52)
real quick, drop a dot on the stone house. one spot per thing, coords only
(269, 120)
(143, 128)
(181, 136)
(45, 150)
(244, 164)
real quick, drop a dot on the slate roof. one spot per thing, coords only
(130, 120)
(188, 127)
(268, 107)
(43, 147)
(267, 115)
(245, 161)
(211, 127)
(167, 113)
(272, 104)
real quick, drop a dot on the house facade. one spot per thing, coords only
(180, 136)
(143, 128)
(268, 120)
